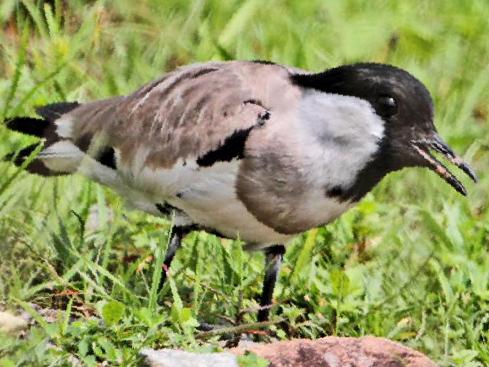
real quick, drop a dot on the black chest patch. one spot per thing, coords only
(335, 191)
(365, 181)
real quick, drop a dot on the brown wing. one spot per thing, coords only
(187, 113)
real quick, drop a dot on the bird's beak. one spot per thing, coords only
(436, 143)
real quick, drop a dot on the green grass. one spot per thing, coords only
(409, 263)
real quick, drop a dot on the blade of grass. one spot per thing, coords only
(21, 57)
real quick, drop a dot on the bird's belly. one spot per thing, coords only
(207, 196)
(211, 201)
(229, 217)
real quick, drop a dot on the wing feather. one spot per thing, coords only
(186, 114)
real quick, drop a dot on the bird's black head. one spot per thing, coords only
(405, 106)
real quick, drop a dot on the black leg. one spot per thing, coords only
(273, 261)
(175, 242)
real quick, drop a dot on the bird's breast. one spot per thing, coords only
(283, 198)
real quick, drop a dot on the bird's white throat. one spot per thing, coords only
(340, 132)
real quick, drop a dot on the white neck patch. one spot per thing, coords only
(341, 133)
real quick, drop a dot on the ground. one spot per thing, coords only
(409, 263)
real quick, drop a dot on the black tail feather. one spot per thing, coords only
(28, 125)
(54, 111)
(36, 166)
(41, 128)
(19, 157)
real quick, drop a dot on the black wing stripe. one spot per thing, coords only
(232, 147)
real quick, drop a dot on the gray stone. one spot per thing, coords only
(10, 323)
(179, 358)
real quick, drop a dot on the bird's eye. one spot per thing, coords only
(386, 106)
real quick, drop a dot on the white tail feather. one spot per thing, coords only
(62, 156)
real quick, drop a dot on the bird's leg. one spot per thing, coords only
(273, 261)
(174, 244)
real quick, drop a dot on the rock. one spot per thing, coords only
(331, 351)
(19, 321)
(9, 323)
(179, 358)
(49, 315)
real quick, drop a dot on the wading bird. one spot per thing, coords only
(246, 149)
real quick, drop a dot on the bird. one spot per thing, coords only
(248, 150)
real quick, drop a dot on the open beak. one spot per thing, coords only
(423, 148)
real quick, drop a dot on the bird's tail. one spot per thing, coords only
(47, 129)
